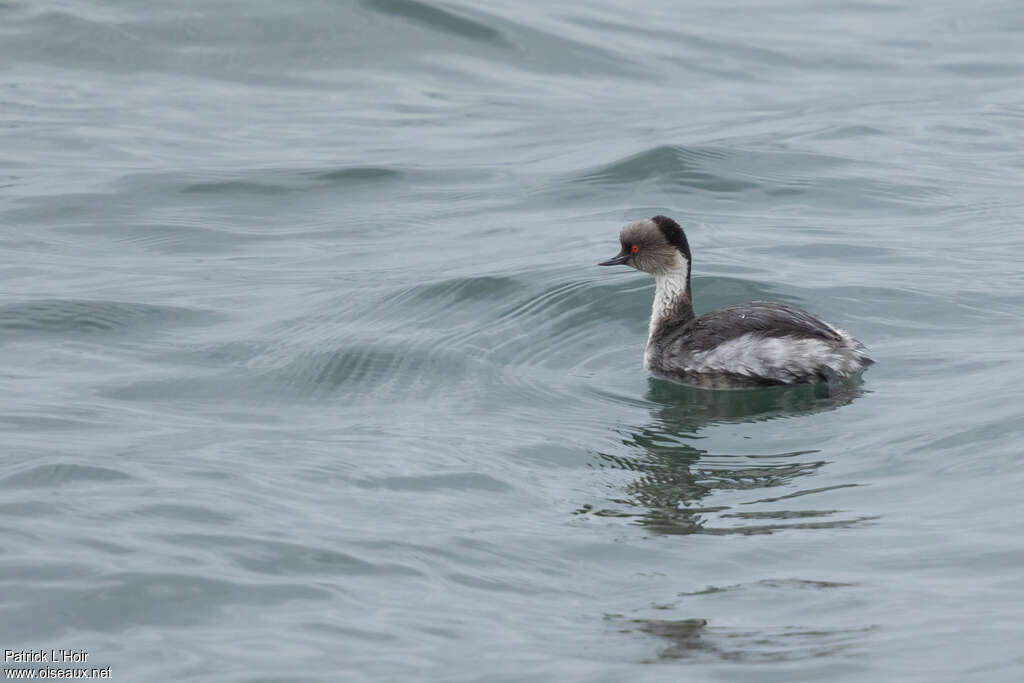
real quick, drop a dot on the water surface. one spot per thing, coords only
(309, 375)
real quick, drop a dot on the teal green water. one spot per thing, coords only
(309, 373)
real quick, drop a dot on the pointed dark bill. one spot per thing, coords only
(617, 261)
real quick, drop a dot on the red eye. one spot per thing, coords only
(635, 249)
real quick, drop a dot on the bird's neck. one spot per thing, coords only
(673, 305)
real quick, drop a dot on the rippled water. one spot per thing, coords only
(308, 372)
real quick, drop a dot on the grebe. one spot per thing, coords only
(755, 344)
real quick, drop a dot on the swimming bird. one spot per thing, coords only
(749, 345)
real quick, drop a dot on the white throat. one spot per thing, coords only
(668, 287)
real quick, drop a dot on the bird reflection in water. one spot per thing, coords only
(668, 496)
(697, 639)
(674, 477)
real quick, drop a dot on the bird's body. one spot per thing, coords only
(755, 344)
